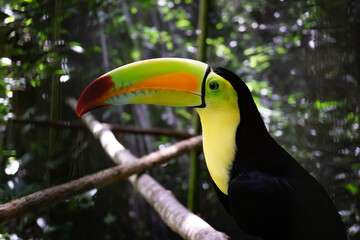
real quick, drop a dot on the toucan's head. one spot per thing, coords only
(163, 81)
(217, 94)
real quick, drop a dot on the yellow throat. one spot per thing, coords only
(220, 119)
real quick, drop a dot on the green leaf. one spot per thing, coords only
(249, 51)
(135, 54)
(133, 10)
(328, 104)
(281, 50)
(169, 46)
(182, 23)
(28, 22)
(219, 26)
(353, 188)
(97, 49)
(9, 19)
(33, 83)
(60, 72)
(72, 44)
(126, 116)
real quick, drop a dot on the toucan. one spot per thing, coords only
(262, 186)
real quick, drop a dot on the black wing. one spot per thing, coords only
(283, 208)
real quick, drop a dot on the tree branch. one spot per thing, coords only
(21, 206)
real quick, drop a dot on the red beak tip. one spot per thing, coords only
(89, 98)
(79, 113)
(80, 110)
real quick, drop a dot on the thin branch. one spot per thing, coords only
(112, 127)
(176, 216)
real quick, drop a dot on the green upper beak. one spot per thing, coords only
(163, 81)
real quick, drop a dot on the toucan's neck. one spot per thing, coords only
(230, 129)
(254, 143)
(251, 131)
(219, 124)
(251, 128)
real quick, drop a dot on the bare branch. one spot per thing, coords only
(175, 215)
(21, 206)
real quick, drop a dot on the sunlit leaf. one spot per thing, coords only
(135, 55)
(9, 19)
(328, 104)
(133, 10)
(182, 23)
(60, 72)
(71, 44)
(169, 46)
(33, 83)
(28, 22)
(353, 188)
(281, 50)
(249, 51)
(219, 26)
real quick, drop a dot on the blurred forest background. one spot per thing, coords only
(301, 60)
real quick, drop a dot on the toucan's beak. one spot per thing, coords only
(163, 81)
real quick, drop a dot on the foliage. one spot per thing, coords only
(299, 58)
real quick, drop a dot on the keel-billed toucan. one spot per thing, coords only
(268, 193)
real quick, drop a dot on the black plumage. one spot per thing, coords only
(270, 194)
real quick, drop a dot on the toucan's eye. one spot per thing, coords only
(214, 86)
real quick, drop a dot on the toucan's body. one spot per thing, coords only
(268, 193)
